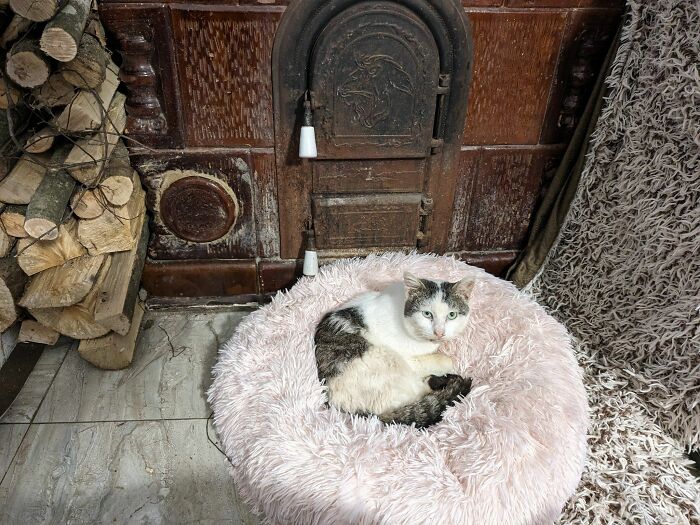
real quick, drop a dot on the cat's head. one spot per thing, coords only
(436, 310)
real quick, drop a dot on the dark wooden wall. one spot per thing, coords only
(200, 92)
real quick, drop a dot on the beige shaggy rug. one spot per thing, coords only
(624, 277)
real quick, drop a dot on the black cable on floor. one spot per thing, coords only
(211, 440)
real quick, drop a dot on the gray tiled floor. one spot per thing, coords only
(82, 445)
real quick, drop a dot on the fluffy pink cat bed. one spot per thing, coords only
(511, 453)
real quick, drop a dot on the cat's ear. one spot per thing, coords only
(412, 282)
(464, 287)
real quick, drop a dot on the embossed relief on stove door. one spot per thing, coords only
(378, 76)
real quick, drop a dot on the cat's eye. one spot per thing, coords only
(427, 314)
(452, 315)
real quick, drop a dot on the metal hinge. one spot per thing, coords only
(443, 88)
(426, 209)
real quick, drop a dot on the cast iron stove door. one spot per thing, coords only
(374, 78)
(378, 83)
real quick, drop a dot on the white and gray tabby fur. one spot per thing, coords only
(378, 353)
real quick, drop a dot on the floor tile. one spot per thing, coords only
(29, 398)
(132, 472)
(10, 439)
(167, 380)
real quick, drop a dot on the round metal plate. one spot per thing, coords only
(197, 209)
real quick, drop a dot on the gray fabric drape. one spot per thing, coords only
(555, 205)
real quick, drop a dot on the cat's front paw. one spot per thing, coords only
(443, 364)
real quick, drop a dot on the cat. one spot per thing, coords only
(378, 353)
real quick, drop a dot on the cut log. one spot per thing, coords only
(120, 289)
(37, 10)
(114, 351)
(41, 141)
(12, 281)
(26, 65)
(86, 161)
(118, 181)
(76, 321)
(61, 35)
(25, 177)
(55, 92)
(95, 28)
(36, 256)
(87, 110)
(48, 204)
(12, 219)
(31, 331)
(117, 190)
(17, 26)
(63, 285)
(10, 95)
(87, 204)
(6, 242)
(114, 230)
(89, 67)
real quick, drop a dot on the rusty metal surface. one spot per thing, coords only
(197, 209)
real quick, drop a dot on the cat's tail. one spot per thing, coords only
(428, 410)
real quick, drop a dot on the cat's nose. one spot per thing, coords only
(439, 332)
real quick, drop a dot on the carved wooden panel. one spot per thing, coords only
(267, 222)
(586, 41)
(224, 64)
(366, 221)
(374, 83)
(179, 234)
(514, 59)
(497, 192)
(358, 176)
(144, 38)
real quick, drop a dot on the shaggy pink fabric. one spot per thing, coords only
(511, 453)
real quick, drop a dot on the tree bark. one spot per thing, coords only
(117, 183)
(23, 180)
(89, 67)
(48, 204)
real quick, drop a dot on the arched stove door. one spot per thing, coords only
(388, 126)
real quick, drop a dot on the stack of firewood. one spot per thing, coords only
(73, 227)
